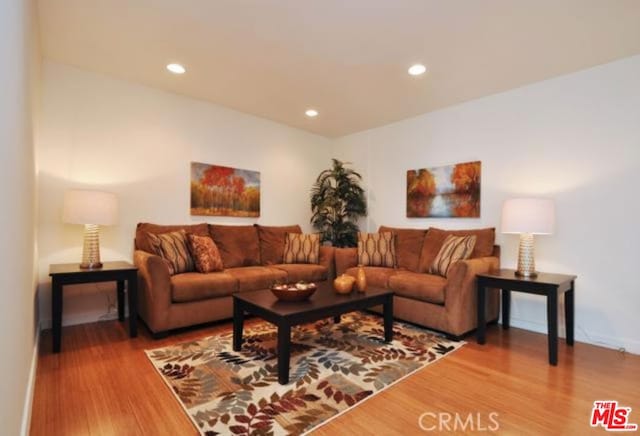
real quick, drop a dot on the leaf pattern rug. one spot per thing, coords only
(334, 367)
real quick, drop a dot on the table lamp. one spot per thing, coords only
(528, 217)
(92, 209)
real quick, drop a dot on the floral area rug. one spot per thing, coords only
(334, 367)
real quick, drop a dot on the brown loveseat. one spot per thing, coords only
(252, 258)
(446, 304)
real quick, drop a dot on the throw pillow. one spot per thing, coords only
(453, 249)
(376, 249)
(172, 247)
(435, 237)
(301, 248)
(206, 255)
(143, 229)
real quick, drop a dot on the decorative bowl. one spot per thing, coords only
(343, 284)
(294, 292)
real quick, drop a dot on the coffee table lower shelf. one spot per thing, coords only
(325, 303)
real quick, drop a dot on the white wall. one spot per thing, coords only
(138, 142)
(19, 57)
(575, 138)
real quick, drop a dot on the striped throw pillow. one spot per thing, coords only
(453, 249)
(301, 248)
(376, 249)
(172, 247)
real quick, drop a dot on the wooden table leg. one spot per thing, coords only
(238, 325)
(569, 309)
(482, 325)
(120, 294)
(56, 314)
(284, 350)
(506, 308)
(552, 325)
(132, 291)
(388, 319)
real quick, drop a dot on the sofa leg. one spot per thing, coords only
(160, 335)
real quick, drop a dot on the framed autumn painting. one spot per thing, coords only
(224, 191)
(451, 191)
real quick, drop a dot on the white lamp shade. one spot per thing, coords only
(528, 215)
(90, 207)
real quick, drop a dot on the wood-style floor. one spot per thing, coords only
(103, 384)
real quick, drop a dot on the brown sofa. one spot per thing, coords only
(446, 304)
(252, 258)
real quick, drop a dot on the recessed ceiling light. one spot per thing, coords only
(176, 68)
(311, 113)
(417, 69)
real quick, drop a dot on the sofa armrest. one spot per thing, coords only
(461, 297)
(345, 258)
(327, 259)
(154, 290)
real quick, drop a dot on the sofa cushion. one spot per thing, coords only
(272, 242)
(418, 286)
(377, 276)
(485, 238)
(303, 271)
(197, 286)
(408, 246)
(205, 253)
(173, 248)
(301, 248)
(251, 278)
(238, 245)
(344, 259)
(376, 249)
(455, 248)
(142, 239)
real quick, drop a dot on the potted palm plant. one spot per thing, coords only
(337, 201)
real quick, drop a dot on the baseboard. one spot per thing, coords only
(31, 385)
(76, 319)
(581, 335)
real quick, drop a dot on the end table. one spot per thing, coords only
(549, 285)
(71, 273)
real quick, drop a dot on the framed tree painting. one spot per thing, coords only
(451, 191)
(224, 191)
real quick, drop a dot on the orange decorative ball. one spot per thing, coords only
(343, 284)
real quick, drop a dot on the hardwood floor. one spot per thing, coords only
(102, 384)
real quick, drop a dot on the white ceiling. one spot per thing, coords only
(346, 58)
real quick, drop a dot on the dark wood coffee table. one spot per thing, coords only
(324, 303)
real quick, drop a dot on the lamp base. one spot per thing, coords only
(527, 274)
(91, 247)
(95, 265)
(526, 261)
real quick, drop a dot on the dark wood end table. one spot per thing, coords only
(324, 303)
(71, 273)
(549, 285)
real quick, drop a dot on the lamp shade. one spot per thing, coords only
(90, 207)
(528, 215)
